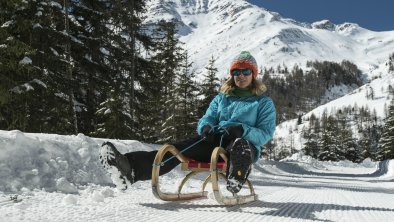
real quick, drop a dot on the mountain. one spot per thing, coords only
(223, 28)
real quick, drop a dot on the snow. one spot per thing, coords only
(22, 88)
(52, 162)
(104, 51)
(60, 178)
(26, 60)
(357, 97)
(390, 172)
(54, 51)
(55, 4)
(70, 200)
(37, 25)
(7, 24)
(223, 28)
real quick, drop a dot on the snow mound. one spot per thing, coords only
(53, 162)
(70, 200)
(311, 164)
(390, 170)
(70, 165)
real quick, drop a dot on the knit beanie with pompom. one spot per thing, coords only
(244, 61)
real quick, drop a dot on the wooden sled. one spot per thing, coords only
(214, 168)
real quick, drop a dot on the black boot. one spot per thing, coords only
(238, 169)
(117, 165)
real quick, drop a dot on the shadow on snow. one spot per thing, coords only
(286, 209)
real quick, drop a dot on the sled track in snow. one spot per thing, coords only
(283, 196)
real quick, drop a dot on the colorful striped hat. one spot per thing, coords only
(245, 61)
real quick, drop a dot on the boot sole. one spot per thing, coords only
(117, 176)
(239, 167)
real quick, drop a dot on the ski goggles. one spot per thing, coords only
(237, 72)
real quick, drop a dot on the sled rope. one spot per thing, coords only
(162, 163)
(189, 147)
(221, 138)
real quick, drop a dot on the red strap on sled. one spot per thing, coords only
(193, 164)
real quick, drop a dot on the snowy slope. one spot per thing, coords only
(289, 132)
(223, 28)
(59, 178)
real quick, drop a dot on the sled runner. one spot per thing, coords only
(214, 168)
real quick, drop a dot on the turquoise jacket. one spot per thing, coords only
(256, 114)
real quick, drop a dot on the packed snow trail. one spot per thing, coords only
(48, 180)
(282, 197)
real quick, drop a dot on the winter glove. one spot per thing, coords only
(234, 132)
(207, 133)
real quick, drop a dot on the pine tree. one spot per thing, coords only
(152, 104)
(133, 41)
(348, 145)
(103, 69)
(48, 33)
(329, 142)
(93, 66)
(54, 42)
(168, 60)
(386, 142)
(185, 92)
(299, 120)
(375, 132)
(311, 146)
(116, 67)
(81, 54)
(209, 86)
(391, 63)
(114, 123)
(27, 81)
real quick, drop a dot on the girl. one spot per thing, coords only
(240, 119)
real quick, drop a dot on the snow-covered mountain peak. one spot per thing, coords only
(349, 29)
(205, 6)
(293, 35)
(324, 24)
(223, 28)
(218, 10)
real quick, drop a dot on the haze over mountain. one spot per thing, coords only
(223, 28)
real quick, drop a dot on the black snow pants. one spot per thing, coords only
(141, 161)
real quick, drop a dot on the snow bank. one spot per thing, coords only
(53, 162)
(367, 166)
(302, 158)
(390, 170)
(68, 164)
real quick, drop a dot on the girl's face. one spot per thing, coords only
(242, 77)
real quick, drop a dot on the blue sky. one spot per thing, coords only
(376, 15)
